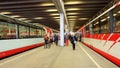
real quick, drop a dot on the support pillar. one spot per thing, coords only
(111, 21)
(61, 29)
(99, 24)
(17, 31)
(90, 28)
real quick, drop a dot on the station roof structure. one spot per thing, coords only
(44, 12)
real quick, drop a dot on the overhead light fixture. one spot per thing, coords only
(38, 18)
(83, 18)
(72, 25)
(27, 20)
(72, 9)
(72, 16)
(54, 14)
(96, 23)
(72, 19)
(118, 11)
(72, 22)
(22, 18)
(103, 20)
(73, 2)
(5, 12)
(14, 16)
(56, 17)
(114, 14)
(108, 17)
(51, 10)
(57, 20)
(46, 4)
(72, 13)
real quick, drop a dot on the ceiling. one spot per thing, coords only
(45, 13)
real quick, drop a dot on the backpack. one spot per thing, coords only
(45, 37)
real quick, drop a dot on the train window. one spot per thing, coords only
(32, 32)
(95, 27)
(101, 26)
(43, 32)
(24, 31)
(105, 25)
(7, 30)
(117, 19)
(39, 32)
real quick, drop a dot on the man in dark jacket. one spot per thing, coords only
(73, 40)
(56, 39)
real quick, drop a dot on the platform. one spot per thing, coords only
(57, 57)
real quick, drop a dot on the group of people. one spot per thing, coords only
(72, 37)
(49, 40)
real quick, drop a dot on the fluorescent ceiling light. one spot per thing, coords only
(72, 13)
(72, 22)
(96, 23)
(118, 11)
(54, 14)
(22, 18)
(46, 4)
(15, 16)
(72, 16)
(114, 14)
(38, 18)
(70, 9)
(108, 17)
(83, 18)
(27, 20)
(71, 19)
(103, 20)
(73, 2)
(5, 13)
(51, 10)
(56, 17)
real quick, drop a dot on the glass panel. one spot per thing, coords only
(117, 19)
(104, 25)
(39, 33)
(7, 30)
(24, 31)
(32, 32)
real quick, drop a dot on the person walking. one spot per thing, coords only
(46, 39)
(73, 40)
(80, 37)
(66, 39)
(56, 39)
(51, 40)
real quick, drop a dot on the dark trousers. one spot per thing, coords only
(47, 44)
(73, 46)
(56, 42)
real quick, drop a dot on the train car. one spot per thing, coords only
(17, 36)
(103, 33)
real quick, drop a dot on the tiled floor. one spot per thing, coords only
(57, 57)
